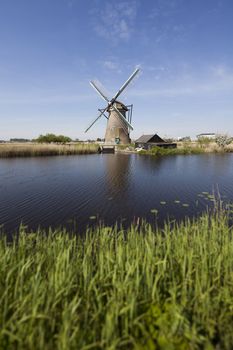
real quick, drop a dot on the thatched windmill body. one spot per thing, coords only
(119, 116)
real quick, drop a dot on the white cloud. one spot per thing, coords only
(220, 71)
(110, 65)
(116, 20)
(164, 23)
(219, 81)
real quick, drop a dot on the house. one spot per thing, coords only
(149, 141)
(209, 135)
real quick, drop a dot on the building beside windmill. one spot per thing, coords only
(149, 141)
(208, 135)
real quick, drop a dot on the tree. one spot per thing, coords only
(223, 140)
(48, 138)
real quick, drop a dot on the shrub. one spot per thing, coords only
(160, 151)
(223, 140)
(48, 138)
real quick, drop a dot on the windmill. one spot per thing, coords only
(119, 116)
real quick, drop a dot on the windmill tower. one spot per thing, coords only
(119, 116)
(117, 130)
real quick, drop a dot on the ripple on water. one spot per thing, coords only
(57, 190)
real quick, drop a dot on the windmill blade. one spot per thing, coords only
(125, 85)
(101, 110)
(97, 89)
(99, 116)
(122, 117)
(111, 103)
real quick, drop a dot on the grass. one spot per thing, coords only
(146, 288)
(160, 151)
(33, 150)
(188, 148)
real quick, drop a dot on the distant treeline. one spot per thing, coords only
(19, 140)
(49, 138)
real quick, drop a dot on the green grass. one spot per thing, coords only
(34, 150)
(169, 288)
(187, 148)
(160, 151)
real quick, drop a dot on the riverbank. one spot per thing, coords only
(144, 289)
(9, 150)
(188, 148)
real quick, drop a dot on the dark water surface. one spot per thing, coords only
(77, 191)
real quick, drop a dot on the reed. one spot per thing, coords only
(146, 288)
(208, 146)
(33, 150)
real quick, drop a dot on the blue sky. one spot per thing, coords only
(50, 49)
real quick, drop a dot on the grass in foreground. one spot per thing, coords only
(33, 150)
(169, 289)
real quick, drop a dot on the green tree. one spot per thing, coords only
(49, 138)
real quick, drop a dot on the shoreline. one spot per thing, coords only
(183, 148)
(18, 150)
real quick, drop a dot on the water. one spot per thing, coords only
(77, 191)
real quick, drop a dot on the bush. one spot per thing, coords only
(160, 151)
(49, 138)
(223, 140)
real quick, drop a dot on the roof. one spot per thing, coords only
(144, 138)
(149, 138)
(207, 133)
(123, 106)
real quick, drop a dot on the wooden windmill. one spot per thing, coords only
(119, 116)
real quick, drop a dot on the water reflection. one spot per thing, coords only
(117, 173)
(56, 191)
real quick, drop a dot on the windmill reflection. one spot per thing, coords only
(117, 174)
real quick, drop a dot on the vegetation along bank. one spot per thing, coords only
(184, 148)
(146, 288)
(33, 150)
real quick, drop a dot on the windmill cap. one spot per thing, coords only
(122, 105)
